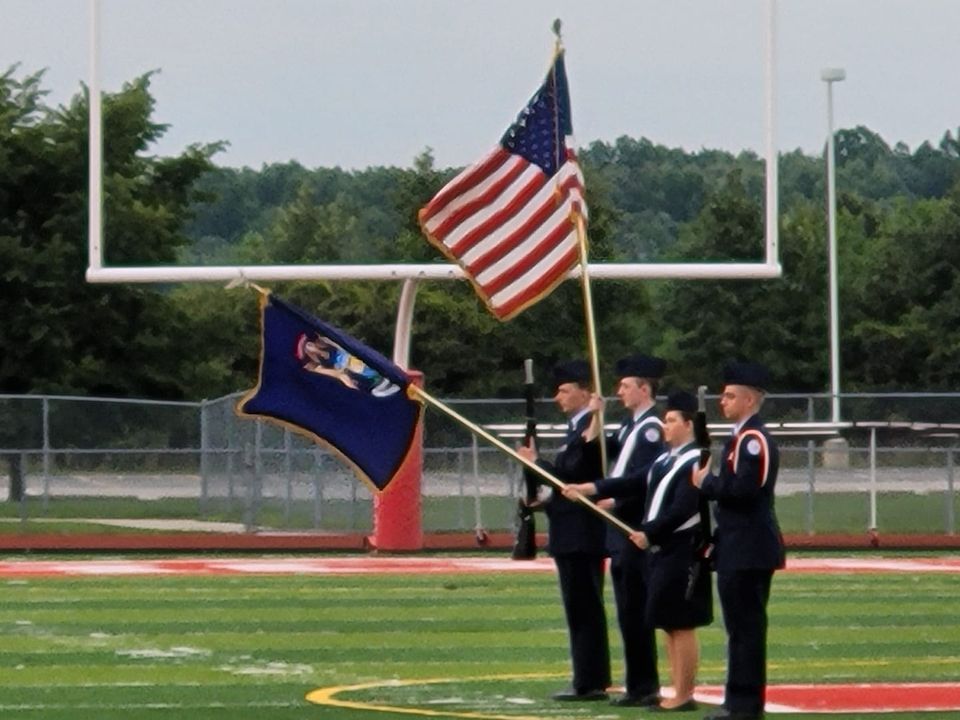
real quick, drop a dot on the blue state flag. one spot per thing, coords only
(320, 382)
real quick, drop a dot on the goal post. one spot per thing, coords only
(397, 528)
(97, 272)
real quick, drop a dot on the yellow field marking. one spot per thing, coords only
(326, 696)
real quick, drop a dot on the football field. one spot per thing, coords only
(368, 637)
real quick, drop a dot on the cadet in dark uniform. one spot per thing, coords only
(679, 599)
(749, 546)
(576, 539)
(635, 446)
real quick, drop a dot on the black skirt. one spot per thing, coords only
(670, 571)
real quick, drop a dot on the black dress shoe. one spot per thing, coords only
(627, 700)
(724, 714)
(687, 706)
(574, 695)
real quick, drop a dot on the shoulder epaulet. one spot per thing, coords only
(756, 445)
(648, 425)
(651, 420)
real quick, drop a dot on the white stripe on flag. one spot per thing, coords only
(545, 198)
(483, 179)
(530, 176)
(535, 273)
(523, 250)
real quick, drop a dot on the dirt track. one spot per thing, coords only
(370, 565)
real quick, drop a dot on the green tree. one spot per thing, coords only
(61, 334)
(704, 324)
(906, 299)
(648, 203)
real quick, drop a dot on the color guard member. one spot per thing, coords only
(577, 538)
(637, 443)
(679, 597)
(749, 546)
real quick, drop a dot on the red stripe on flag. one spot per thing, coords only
(505, 245)
(544, 283)
(466, 181)
(529, 259)
(481, 202)
(505, 212)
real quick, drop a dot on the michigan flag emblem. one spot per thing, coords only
(322, 383)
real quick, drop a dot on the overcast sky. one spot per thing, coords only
(356, 83)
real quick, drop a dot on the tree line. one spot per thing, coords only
(899, 254)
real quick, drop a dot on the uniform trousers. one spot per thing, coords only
(743, 597)
(629, 574)
(581, 587)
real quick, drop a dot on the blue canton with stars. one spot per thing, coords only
(539, 132)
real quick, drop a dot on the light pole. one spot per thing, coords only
(830, 76)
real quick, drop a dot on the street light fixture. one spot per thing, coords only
(830, 76)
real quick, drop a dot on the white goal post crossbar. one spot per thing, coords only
(438, 271)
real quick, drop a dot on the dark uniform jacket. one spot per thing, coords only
(679, 594)
(672, 500)
(574, 528)
(748, 535)
(630, 489)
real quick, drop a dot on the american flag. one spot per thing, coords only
(510, 220)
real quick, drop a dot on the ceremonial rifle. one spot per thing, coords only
(525, 543)
(705, 546)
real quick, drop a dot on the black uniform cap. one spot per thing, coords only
(682, 402)
(641, 366)
(573, 371)
(751, 374)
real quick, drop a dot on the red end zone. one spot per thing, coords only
(857, 698)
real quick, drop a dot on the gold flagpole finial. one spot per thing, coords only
(242, 281)
(556, 31)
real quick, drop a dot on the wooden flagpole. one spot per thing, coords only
(577, 218)
(591, 334)
(420, 393)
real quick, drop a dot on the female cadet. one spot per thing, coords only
(679, 599)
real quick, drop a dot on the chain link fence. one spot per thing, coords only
(153, 466)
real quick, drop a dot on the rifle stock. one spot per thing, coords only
(530, 434)
(700, 431)
(525, 542)
(701, 561)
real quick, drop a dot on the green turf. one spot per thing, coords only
(239, 647)
(897, 512)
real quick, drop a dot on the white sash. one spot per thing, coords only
(664, 483)
(626, 450)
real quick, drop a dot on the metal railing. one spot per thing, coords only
(149, 465)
